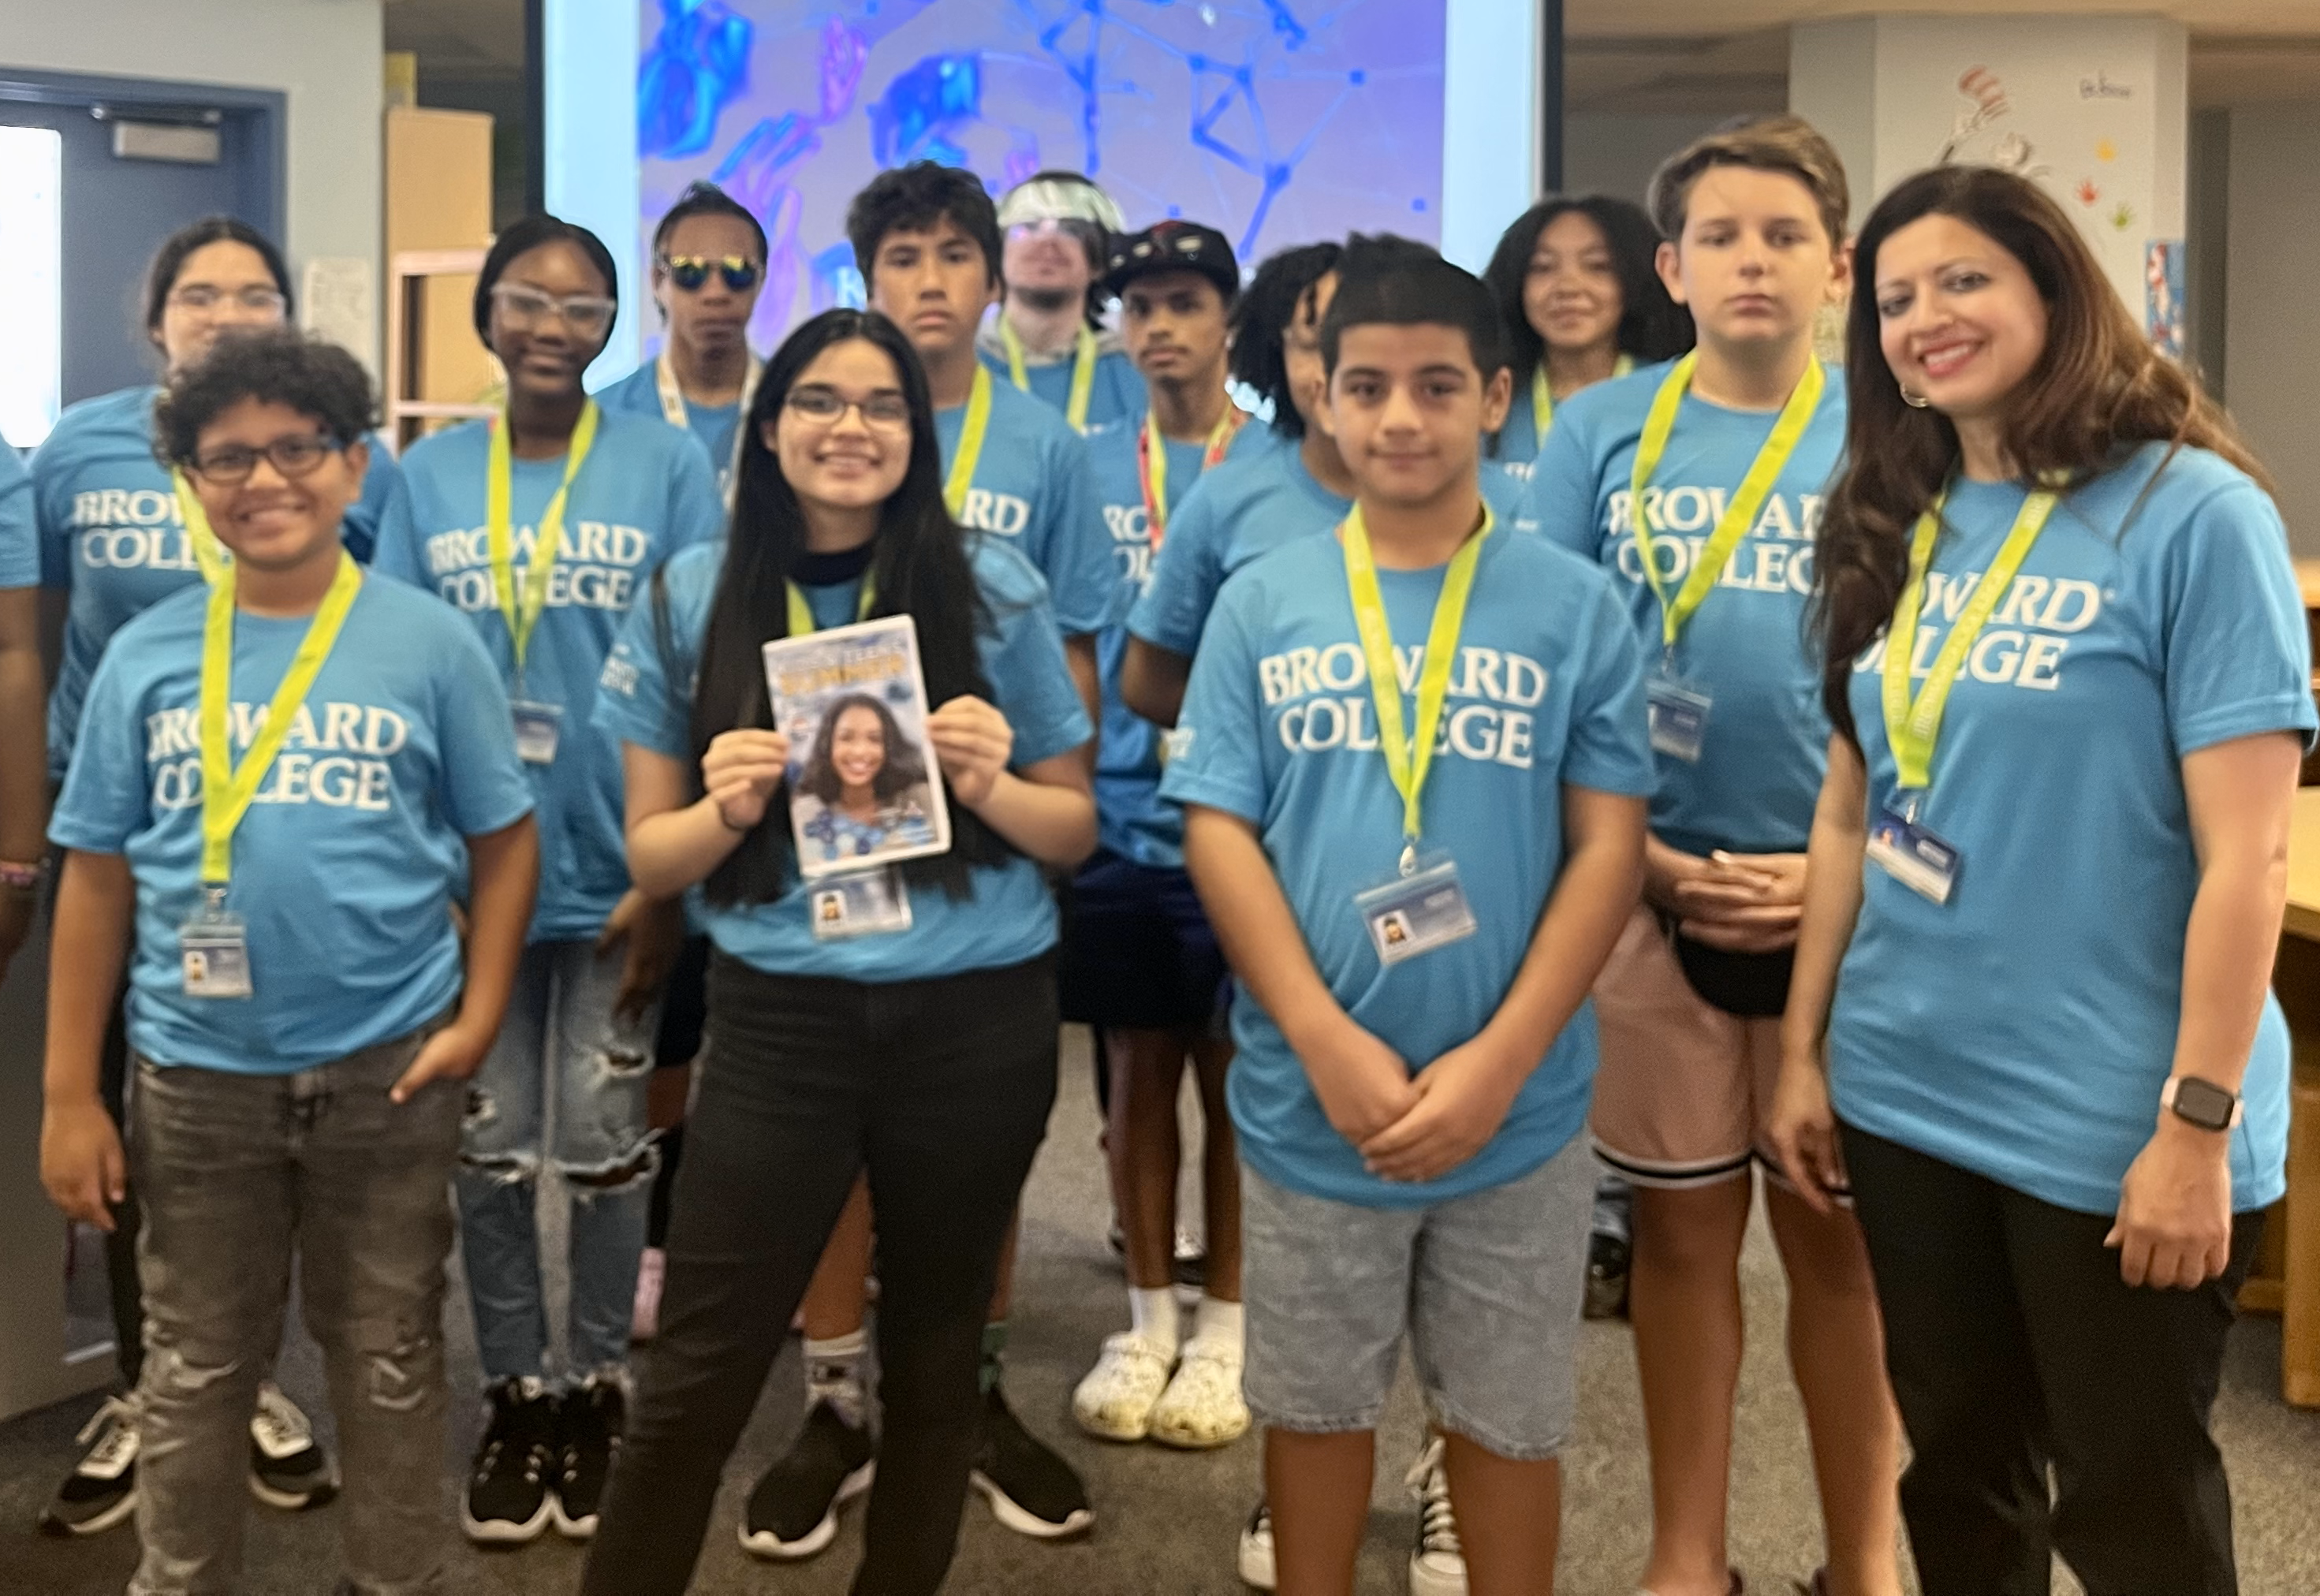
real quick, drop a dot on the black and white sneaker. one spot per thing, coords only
(287, 1469)
(102, 1490)
(792, 1513)
(1256, 1570)
(508, 1497)
(1031, 1489)
(589, 1422)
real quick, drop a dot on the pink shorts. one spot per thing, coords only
(1684, 1090)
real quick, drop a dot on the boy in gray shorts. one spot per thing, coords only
(1416, 857)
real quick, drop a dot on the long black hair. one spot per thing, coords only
(901, 769)
(1263, 313)
(1652, 326)
(920, 566)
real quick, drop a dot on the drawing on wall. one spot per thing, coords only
(1271, 118)
(2162, 298)
(1972, 139)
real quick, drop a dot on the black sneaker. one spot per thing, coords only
(287, 1470)
(1031, 1489)
(102, 1489)
(792, 1513)
(508, 1497)
(589, 1422)
(1607, 1275)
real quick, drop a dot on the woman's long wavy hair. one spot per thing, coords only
(899, 770)
(2097, 388)
(1652, 327)
(919, 567)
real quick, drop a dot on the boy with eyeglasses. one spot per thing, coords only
(281, 780)
(709, 268)
(1048, 339)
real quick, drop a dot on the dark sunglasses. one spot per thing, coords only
(689, 272)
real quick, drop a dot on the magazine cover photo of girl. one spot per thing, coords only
(863, 790)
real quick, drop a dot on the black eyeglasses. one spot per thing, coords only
(888, 412)
(297, 455)
(689, 272)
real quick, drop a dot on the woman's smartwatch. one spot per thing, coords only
(2200, 1102)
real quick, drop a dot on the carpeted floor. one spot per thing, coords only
(1167, 1522)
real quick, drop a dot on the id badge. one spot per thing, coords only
(873, 904)
(213, 950)
(1677, 712)
(1416, 913)
(537, 729)
(1913, 855)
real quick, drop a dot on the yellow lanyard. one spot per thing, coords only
(1542, 397)
(1151, 465)
(971, 429)
(1912, 727)
(802, 620)
(1739, 512)
(209, 554)
(1408, 760)
(673, 410)
(1084, 359)
(228, 789)
(522, 613)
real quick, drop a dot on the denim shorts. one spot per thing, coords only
(1488, 1287)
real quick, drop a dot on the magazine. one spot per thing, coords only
(865, 788)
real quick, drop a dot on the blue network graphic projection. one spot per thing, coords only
(1277, 120)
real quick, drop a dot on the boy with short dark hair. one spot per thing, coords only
(281, 778)
(1408, 1105)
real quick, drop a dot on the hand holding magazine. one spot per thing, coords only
(865, 788)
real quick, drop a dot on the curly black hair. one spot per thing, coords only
(1263, 313)
(279, 366)
(1652, 326)
(704, 198)
(912, 199)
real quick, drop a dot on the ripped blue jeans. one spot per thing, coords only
(565, 1087)
(240, 1174)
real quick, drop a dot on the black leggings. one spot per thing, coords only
(2014, 1343)
(940, 1089)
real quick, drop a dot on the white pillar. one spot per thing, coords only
(2093, 107)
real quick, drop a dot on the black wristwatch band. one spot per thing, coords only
(2202, 1103)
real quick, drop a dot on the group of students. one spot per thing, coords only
(1533, 706)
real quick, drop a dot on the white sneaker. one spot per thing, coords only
(1202, 1406)
(1438, 1567)
(1115, 1401)
(1256, 1570)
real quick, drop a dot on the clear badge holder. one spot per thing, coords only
(871, 903)
(213, 950)
(1911, 854)
(1420, 907)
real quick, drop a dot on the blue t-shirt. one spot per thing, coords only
(1116, 393)
(1131, 819)
(1254, 502)
(1033, 486)
(20, 541)
(1279, 729)
(1753, 786)
(639, 394)
(1009, 917)
(345, 867)
(2023, 1031)
(1518, 438)
(645, 491)
(111, 533)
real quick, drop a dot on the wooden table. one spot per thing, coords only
(2287, 1277)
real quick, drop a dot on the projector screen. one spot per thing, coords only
(1277, 120)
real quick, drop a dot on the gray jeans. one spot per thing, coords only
(239, 1174)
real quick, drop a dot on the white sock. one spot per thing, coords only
(1219, 1325)
(833, 1373)
(1152, 1314)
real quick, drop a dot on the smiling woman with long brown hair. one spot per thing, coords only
(2067, 666)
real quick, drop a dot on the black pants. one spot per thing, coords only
(121, 1279)
(941, 1089)
(2014, 1345)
